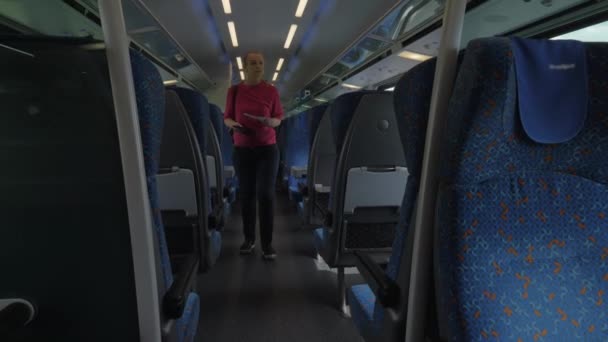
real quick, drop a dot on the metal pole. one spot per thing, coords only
(427, 195)
(140, 223)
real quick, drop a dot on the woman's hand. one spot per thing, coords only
(232, 124)
(271, 122)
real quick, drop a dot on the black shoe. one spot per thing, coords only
(247, 247)
(269, 253)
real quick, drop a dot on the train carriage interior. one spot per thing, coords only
(440, 173)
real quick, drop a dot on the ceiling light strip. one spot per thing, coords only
(227, 7)
(280, 64)
(232, 30)
(301, 7)
(290, 35)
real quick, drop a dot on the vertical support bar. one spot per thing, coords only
(140, 223)
(423, 230)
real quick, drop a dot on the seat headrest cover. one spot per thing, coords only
(552, 88)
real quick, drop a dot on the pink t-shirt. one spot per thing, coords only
(261, 99)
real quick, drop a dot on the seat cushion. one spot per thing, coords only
(362, 303)
(215, 245)
(187, 325)
(320, 237)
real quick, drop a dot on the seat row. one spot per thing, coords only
(520, 243)
(67, 237)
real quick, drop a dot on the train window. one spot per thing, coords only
(55, 18)
(496, 17)
(593, 33)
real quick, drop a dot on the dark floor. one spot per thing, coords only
(244, 298)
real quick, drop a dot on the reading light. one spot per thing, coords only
(351, 86)
(414, 56)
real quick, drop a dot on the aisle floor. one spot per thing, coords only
(245, 298)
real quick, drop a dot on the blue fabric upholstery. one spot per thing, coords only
(198, 110)
(215, 245)
(150, 94)
(412, 97)
(188, 325)
(297, 150)
(227, 146)
(551, 88)
(217, 121)
(363, 307)
(319, 238)
(522, 233)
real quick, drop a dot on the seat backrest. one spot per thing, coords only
(316, 114)
(150, 94)
(227, 146)
(370, 173)
(522, 243)
(298, 148)
(65, 241)
(197, 107)
(322, 155)
(180, 149)
(214, 139)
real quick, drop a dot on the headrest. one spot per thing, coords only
(197, 107)
(551, 87)
(150, 96)
(342, 112)
(217, 120)
(412, 100)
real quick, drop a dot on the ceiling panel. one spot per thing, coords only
(326, 30)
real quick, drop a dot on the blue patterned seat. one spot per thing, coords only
(151, 107)
(321, 162)
(412, 97)
(214, 154)
(297, 154)
(522, 225)
(231, 182)
(198, 110)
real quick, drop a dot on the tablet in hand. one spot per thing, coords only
(254, 117)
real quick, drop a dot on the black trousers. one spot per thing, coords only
(257, 169)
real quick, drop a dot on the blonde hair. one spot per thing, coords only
(252, 52)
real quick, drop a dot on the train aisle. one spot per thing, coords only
(245, 298)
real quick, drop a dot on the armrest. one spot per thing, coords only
(175, 299)
(385, 289)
